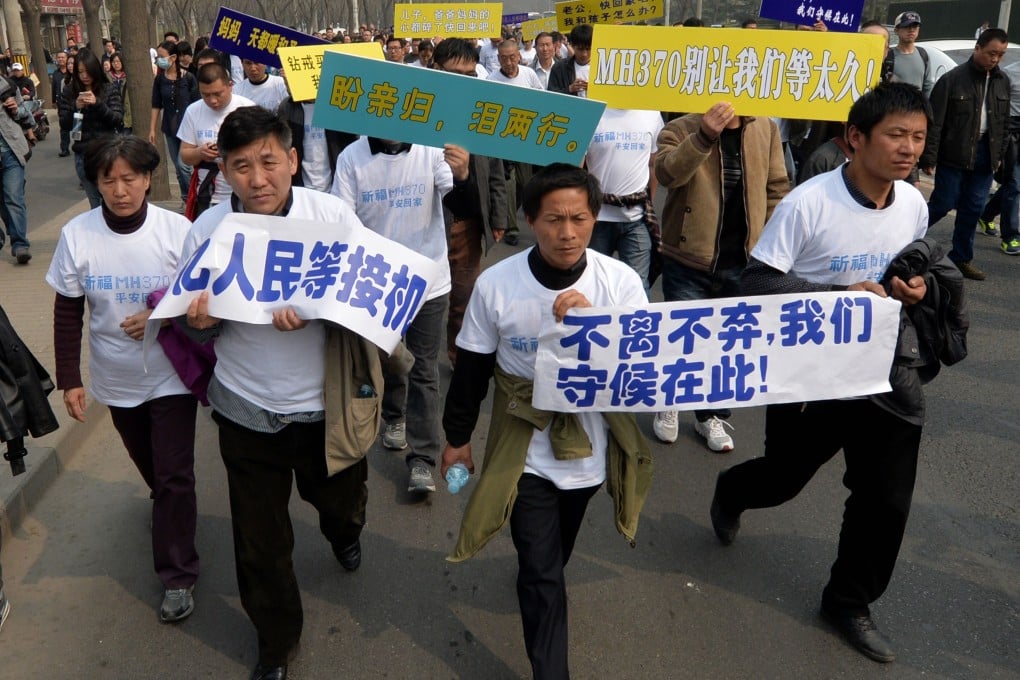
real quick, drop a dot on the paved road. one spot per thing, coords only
(79, 574)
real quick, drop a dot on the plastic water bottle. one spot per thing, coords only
(456, 477)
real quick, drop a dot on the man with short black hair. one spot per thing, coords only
(966, 141)
(200, 127)
(395, 50)
(271, 414)
(265, 89)
(570, 76)
(15, 120)
(861, 211)
(545, 57)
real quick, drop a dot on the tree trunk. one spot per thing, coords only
(136, 53)
(93, 26)
(33, 19)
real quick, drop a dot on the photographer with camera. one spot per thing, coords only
(15, 121)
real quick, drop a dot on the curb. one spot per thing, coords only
(48, 456)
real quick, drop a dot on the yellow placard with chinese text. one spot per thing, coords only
(577, 12)
(302, 65)
(788, 74)
(530, 29)
(449, 20)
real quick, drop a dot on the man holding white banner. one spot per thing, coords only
(839, 231)
(268, 398)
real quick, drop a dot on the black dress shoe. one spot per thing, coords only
(725, 524)
(349, 557)
(269, 673)
(64, 154)
(862, 633)
(511, 239)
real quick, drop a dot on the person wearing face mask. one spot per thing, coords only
(173, 90)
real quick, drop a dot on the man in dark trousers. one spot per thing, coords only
(864, 209)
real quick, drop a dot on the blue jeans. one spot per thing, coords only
(91, 190)
(173, 152)
(415, 398)
(1005, 204)
(630, 239)
(12, 204)
(967, 191)
(680, 283)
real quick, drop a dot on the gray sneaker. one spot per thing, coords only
(395, 436)
(5, 608)
(177, 605)
(421, 480)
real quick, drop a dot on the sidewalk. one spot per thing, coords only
(28, 301)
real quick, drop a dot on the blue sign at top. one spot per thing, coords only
(837, 15)
(514, 19)
(257, 39)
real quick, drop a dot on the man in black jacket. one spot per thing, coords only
(570, 76)
(970, 107)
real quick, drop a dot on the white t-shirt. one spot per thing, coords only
(236, 69)
(481, 71)
(507, 309)
(268, 94)
(280, 372)
(525, 78)
(116, 273)
(582, 73)
(488, 56)
(618, 155)
(400, 197)
(821, 234)
(201, 125)
(315, 171)
(528, 56)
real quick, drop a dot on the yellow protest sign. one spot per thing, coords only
(530, 29)
(576, 12)
(789, 74)
(460, 20)
(302, 65)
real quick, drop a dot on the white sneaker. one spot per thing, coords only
(665, 426)
(5, 608)
(714, 432)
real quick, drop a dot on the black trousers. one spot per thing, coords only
(880, 450)
(543, 524)
(260, 470)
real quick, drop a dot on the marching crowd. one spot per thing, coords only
(753, 206)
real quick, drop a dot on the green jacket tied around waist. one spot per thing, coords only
(514, 420)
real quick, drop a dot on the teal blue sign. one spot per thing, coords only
(424, 106)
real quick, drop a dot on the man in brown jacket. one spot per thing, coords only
(724, 174)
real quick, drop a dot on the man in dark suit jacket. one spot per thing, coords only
(475, 210)
(570, 76)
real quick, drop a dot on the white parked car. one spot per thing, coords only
(945, 55)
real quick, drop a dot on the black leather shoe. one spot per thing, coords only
(269, 673)
(725, 525)
(511, 239)
(862, 633)
(349, 557)
(64, 154)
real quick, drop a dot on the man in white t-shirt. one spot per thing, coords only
(397, 190)
(839, 231)
(267, 398)
(510, 71)
(539, 483)
(488, 54)
(570, 76)
(619, 155)
(200, 127)
(265, 89)
(528, 52)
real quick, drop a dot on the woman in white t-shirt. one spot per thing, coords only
(113, 258)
